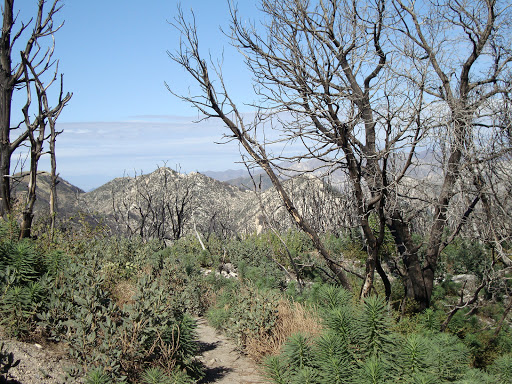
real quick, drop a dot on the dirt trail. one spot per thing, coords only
(224, 364)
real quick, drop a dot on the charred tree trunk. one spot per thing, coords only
(6, 91)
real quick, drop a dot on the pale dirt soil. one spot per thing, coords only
(39, 364)
(224, 364)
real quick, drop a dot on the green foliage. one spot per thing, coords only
(152, 330)
(155, 375)
(465, 256)
(24, 275)
(342, 322)
(477, 376)
(413, 359)
(253, 260)
(374, 326)
(245, 312)
(372, 371)
(429, 320)
(361, 345)
(330, 297)
(97, 376)
(298, 352)
(305, 375)
(276, 369)
(502, 369)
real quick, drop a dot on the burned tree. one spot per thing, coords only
(33, 70)
(156, 206)
(399, 99)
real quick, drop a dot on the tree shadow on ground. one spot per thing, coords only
(213, 374)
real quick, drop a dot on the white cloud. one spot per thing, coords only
(89, 154)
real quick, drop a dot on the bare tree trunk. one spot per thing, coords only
(53, 183)
(41, 26)
(6, 91)
(28, 211)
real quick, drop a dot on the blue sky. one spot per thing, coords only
(121, 117)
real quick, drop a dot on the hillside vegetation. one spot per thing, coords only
(125, 309)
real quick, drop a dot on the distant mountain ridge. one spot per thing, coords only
(212, 204)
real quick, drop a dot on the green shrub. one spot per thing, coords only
(360, 345)
(246, 312)
(97, 376)
(151, 331)
(502, 369)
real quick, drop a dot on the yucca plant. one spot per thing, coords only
(97, 376)
(448, 356)
(413, 356)
(155, 375)
(24, 261)
(330, 297)
(276, 370)
(305, 375)
(342, 322)
(477, 376)
(374, 327)
(372, 371)
(297, 351)
(6, 361)
(502, 369)
(333, 358)
(422, 378)
(429, 321)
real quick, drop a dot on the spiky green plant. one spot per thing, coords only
(372, 371)
(305, 375)
(331, 297)
(374, 327)
(6, 361)
(413, 357)
(276, 370)
(477, 376)
(97, 376)
(155, 375)
(448, 356)
(341, 321)
(333, 358)
(297, 351)
(421, 378)
(502, 369)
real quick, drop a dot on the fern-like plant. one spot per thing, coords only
(24, 261)
(305, 375)
(413, 356)
(341, 321)
(6, 361)
(372, 371)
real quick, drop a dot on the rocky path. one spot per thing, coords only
(224, 364)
